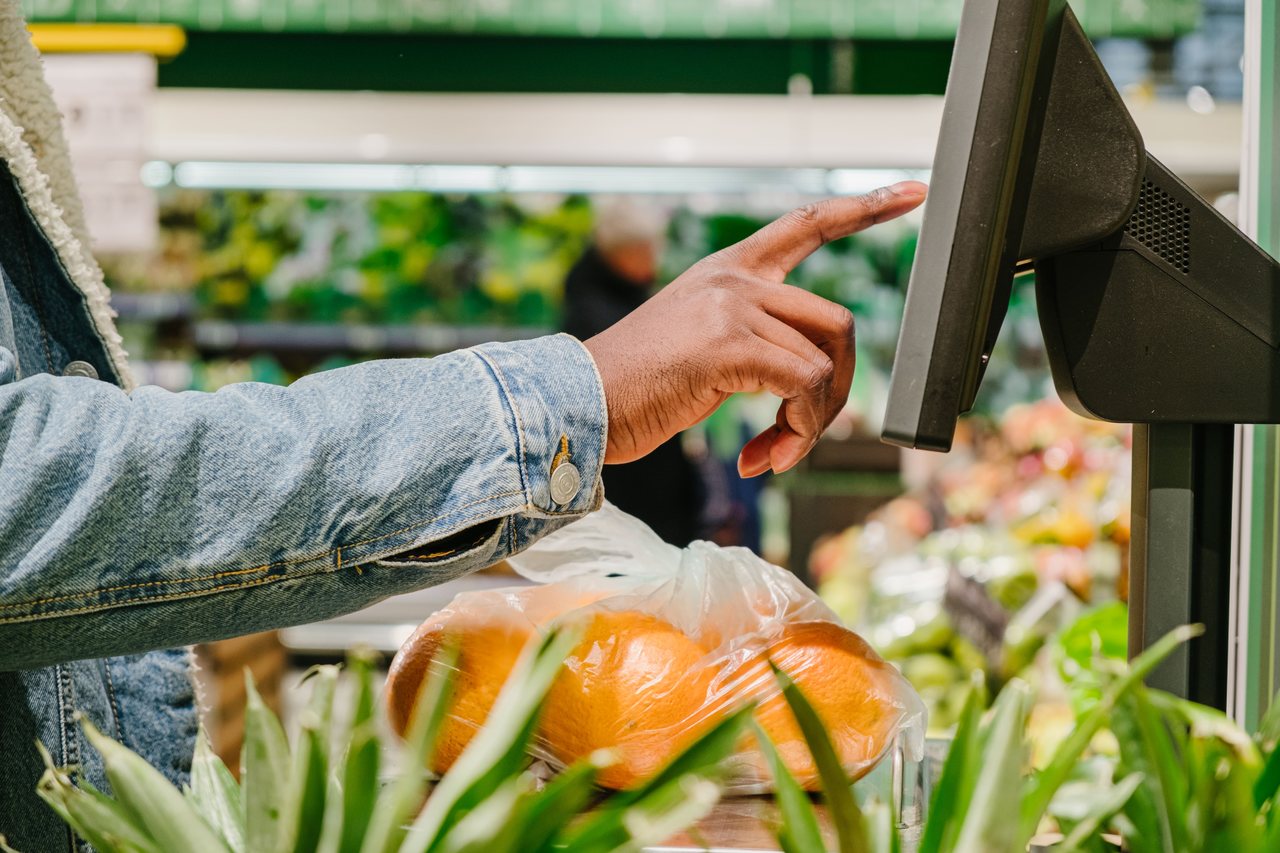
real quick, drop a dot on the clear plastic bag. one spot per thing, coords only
(673, 639)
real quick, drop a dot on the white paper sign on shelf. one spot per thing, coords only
(105, 100)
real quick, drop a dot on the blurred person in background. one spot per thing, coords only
(616, 274)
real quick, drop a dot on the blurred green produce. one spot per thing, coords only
(494, 260)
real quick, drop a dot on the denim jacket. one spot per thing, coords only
(139, 520)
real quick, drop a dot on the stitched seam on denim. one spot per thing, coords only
(111, 693)
(604, 420)
(178, 596)
(34, 286)
(515, 413)
(62, 735)
(65, 755)
(236, 572)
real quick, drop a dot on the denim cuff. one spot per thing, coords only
(557, 413)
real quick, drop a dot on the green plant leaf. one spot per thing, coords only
(359, 790)
(104, 823)
(547, 813)
(704, 757)
(1088, 829)
(1268, 782)
(1269, 727)
(1044, 784)
(1145, 811)
(884, 836)
(1207, 722)
(264, 772)
(216, 794)
(497, 751)
(651, 821)
(356, 754)
(360, 665)
(1101, 631)
(1202, 769)
(303, 821)
(851, 827)
(987, 825)
(951, 796)
(1146, 746)
(396, 804)
(604, 829)
(799, 828)
(486, 828)
(165, 815)
(1272, 831)
(1235, 826)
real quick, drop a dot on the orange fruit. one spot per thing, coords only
(487, 652)
(634, 684)
(490, 630)
(857, 695)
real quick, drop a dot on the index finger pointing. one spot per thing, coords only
(779, 247)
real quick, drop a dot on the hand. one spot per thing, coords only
(730, 324)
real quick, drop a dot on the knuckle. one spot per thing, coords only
(820, 373)
(844, 323)
(812, 217)
(808, 214)
(876, 199)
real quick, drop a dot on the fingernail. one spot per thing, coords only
(908, 188)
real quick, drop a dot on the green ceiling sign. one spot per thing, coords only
(880, 19)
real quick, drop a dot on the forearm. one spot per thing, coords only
(138, 521)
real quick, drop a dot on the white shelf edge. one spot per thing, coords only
(750, 131)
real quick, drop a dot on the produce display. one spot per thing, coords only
(994, 549)
(479, 260)
(671, 642)
(363, 257)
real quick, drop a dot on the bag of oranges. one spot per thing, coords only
(671, 640)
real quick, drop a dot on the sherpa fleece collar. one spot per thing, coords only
(32, 143)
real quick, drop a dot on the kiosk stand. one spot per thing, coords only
(1156, 310)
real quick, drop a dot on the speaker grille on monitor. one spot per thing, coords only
(1163, 225)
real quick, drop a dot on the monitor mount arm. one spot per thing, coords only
(1155, 311)
(1155, 308)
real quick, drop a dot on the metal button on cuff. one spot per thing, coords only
(80, 368)
(566, 482)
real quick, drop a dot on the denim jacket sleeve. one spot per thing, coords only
(152, 519)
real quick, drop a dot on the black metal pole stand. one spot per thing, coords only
(1180, 559)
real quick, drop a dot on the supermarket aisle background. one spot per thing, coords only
(297, 186)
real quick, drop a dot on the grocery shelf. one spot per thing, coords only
(505, 130)
(171, 374)
(864, 19)
(153, 306)
(218, 336)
